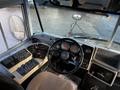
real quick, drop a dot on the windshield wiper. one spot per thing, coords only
(94, 38)
(88, 36)
(91, 38)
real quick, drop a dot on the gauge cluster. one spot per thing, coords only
(65, 46)
(38, 50)
(74, 49)
(71, 47)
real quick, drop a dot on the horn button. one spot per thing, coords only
(65, 55)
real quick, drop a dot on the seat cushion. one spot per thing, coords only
(50, 81)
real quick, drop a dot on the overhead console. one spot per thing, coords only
(105, 65)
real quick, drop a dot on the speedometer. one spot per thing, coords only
(65, 46)
(74, 49)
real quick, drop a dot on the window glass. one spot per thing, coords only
(5, 14)
(34, 23)
(3, 47)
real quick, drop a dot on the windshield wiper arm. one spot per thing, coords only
(89, 37)
(93, 38)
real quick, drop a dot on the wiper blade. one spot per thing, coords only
(94, 38)
(89, 37)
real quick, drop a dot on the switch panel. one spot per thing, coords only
(25, 68)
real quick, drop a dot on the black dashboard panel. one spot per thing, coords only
(15, 58)
(25, 68)
(109, 57)
(87, 55)
(38, 50)
(21, 55)
(7, 62)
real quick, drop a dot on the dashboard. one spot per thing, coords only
(101, 63)
(23, 63)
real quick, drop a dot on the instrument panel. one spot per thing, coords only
(16, 58)
(38, 50)
(72, 47)
(88, 53)
(91, 54)
(105, 68)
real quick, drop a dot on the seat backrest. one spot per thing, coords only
(50, 81)
(8, 84)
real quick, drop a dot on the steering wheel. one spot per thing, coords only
(65, 56)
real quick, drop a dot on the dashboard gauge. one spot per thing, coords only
(65, 46)
(57, 46)
(74, 49)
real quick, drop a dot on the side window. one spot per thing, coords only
(8, 25)
(3, 48)
(34, 23)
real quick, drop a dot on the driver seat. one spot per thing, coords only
(49, 81)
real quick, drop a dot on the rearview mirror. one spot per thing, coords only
(111, 6)
(17, 27)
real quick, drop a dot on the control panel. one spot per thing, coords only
(88, 51)
(17, 59)
(38, 50)
(102, 73)
(22, 65)
(9, 62)
(25, 68)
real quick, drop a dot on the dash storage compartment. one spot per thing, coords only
(102, 73)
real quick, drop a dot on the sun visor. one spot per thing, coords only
(6, 3)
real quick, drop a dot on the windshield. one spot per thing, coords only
(71, 23)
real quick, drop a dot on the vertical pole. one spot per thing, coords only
(113, 34)
(37, 12)
(25, 13)
(1, 29)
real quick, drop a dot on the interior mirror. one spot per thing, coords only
(112, 6)
(17, 27)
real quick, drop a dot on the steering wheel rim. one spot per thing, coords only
(77, 63)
